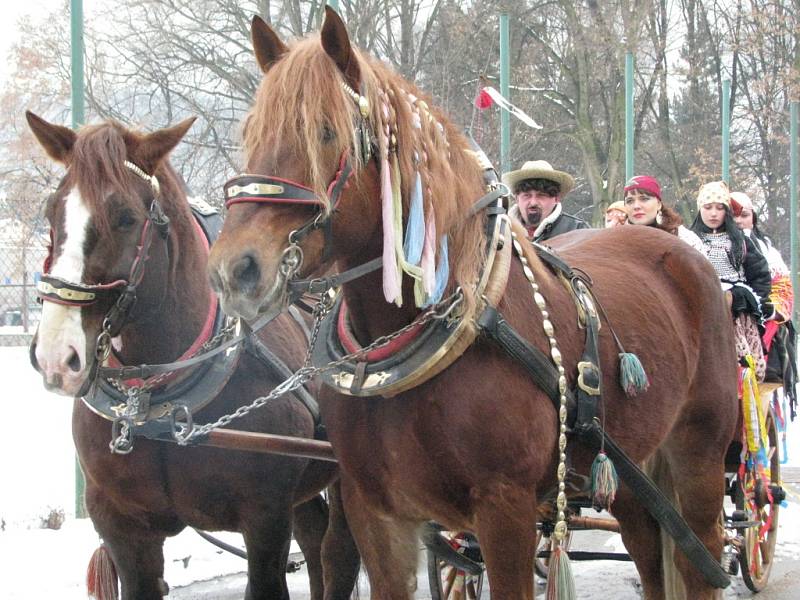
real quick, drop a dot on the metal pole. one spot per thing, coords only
(726, 129)
(78, 119)
(334, 4)
(793, 201)
(628, 115)
(505, 118)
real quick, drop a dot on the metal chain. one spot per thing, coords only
(184, 434)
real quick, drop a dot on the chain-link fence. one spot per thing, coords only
(22, 256)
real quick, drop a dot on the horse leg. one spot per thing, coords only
(388, 546)
(641, 535)
(139, 560)
(310, 525)
(340, 556)
(267, 540)
(506, 529)
(698, 474)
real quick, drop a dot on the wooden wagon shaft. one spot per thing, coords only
(232, 439)
(576, 523)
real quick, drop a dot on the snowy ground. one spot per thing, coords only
(37, 470)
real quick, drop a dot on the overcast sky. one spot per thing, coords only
(14, 9)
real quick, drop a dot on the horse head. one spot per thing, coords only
(328, 126)
(108, 261)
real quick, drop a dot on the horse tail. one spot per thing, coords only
(101, 576)
(658, 469)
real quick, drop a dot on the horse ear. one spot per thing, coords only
(56, 140)
(154, 147)
(266, 44)
(336, 43)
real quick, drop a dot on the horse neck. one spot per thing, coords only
(169, 325)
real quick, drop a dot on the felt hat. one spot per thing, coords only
(739, 202)
(618, 205)
(716, 191)
(649, 185)
(539, 169)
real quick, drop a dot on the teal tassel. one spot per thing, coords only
(604, 482)
(560, 583)
(632, 377)
(415, 228)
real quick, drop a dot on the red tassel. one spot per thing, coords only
(101, 576)
(483, 100)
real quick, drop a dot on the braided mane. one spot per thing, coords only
(302, 94)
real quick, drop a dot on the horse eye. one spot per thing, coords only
(126, 220)
(327, 134)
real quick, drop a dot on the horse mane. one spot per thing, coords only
(311, 97)
(97, 168)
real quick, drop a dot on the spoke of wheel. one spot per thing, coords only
(448, 578)
(458, 585)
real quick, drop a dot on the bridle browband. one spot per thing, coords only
(55, 289)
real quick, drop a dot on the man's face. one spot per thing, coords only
(535, 206)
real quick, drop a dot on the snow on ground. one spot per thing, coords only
(37, 471)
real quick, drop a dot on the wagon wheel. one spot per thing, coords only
(753, 496)
(448, 582)
(541, 566)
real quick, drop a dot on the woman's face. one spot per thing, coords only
(642, 208)
(745, 219)
(713, 214)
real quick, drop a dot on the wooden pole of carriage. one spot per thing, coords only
(793, 200)
(505, 117)
(78, 118)
(726, 129)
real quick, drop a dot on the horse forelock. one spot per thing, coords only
(98, 169)
(298, 97)
(303, 92)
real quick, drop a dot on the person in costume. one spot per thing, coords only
(538, 189)
(616, 214)
(644, 206)
(778, 341)
(742, 269)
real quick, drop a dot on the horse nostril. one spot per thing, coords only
(74, 361)
(246, 273)
(32, 355)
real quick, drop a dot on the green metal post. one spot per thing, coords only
(726, 129)
(793, 201)
(628, 115)
(78, 119)
(505, 118)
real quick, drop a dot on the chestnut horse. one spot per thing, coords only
(474, 447)
(98, 217)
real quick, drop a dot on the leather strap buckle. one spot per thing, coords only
(589, 378)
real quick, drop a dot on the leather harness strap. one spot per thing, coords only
(582, 405)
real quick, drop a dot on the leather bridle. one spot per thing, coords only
(270, 189)
(58, 290)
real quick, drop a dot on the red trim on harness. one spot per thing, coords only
(205, 332)
(271, 200)
(351, 345)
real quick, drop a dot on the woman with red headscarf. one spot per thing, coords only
(644, 207)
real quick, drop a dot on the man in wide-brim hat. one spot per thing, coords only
(538, 189)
